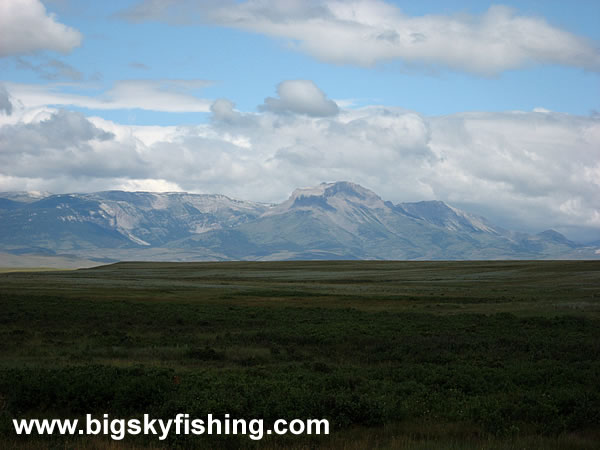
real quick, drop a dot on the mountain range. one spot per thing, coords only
(339, 220)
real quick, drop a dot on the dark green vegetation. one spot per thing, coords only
(413, 354)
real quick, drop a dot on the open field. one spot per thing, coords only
(395, 354)
(11, 263)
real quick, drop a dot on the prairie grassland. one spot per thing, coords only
(394, 354)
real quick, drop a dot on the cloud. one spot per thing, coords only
(367, 32)
(166, 95)
(223, 110)
(300, 97)
(525, 170)
(5, 104)
(63, 144)
(138, 65)
(61, 129)
(529, 166)
(28, 28)
(159, 95)
(52, 69)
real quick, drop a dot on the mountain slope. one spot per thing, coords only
(116, 219)
(328, 221)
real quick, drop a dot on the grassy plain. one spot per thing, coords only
(395, 354)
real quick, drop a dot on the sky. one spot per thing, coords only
(490, 107)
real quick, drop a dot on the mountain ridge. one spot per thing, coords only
(339, 220)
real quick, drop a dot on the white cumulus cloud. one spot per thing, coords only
(301, 97)
(26, 27)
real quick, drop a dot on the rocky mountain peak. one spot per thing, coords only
(327, 221)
